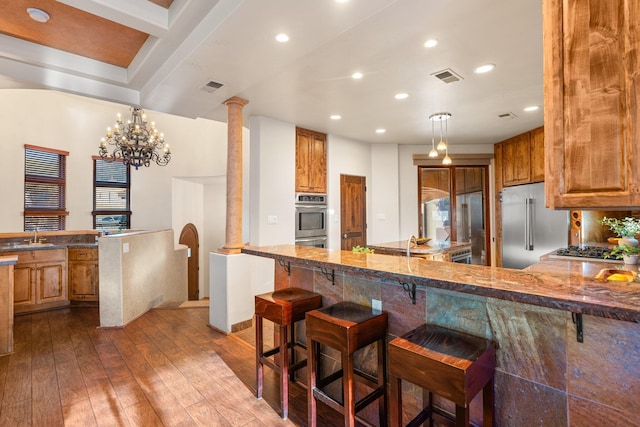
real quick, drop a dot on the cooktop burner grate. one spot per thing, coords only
(597, 252)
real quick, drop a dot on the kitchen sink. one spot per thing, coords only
(29, 245)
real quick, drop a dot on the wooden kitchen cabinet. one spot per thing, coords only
(537, 154)
(591, 92)
(516, 160)
(311, 161)
(83, 274)
(40, 279)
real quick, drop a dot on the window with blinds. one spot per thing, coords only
(44, 188)
(111, 195)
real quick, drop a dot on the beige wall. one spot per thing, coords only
(144, 270)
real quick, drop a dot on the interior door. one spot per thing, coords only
(353, 212)
(189, 237)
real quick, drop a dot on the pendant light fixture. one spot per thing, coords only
(443, 145)
(433, 153)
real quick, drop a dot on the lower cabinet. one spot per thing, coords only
(83, 274)
(40, 279)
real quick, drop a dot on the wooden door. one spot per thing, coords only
(516, 160)
(52, 282)
(537, 155)
(189, 237)
(353, 212)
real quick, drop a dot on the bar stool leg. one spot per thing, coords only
(312, 347)
(382, 380)
(348, 390)
(462, 416)
(395, 394)
(284, 372)
(487, 404)
(259, 351)
(292, 357)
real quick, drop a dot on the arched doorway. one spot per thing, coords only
(189, 237)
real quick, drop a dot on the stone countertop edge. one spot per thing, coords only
(568, 292)
(8, 260)
(45, 247)
(426, 249)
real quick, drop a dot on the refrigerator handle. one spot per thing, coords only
(529, 231)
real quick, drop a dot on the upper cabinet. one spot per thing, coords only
(311, 161)
(522, 159)
(591, 93)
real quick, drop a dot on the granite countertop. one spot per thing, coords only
(566, 287)
(431, 247)
(25, 247)
(8, 260)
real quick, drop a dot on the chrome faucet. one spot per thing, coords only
(35, 235)
(413, 240)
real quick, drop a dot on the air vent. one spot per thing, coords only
(211, 86)
(447, 75)
(508, 115)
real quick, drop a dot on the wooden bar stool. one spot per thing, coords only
(346, 327)
(451, 364)
(284, 308)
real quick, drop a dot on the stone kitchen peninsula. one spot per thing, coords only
(568, 345)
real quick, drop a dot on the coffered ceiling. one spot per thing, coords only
(161, 54)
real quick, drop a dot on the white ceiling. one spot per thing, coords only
(307, 79)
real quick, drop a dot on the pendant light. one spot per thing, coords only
(433, 153)
(444, 140)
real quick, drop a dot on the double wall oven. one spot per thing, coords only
(311, 219)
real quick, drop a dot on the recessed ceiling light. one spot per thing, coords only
(431, 43)
(531, 108)
(356, 75)
(38, 15)
(335, 117)
(484, 68)
(381, 130)
(282, 38)
(342, 1)
(401, 96)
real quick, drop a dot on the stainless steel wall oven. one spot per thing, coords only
(311, 216)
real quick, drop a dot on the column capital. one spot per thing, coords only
(236, 100)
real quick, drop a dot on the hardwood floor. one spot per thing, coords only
(166, 368)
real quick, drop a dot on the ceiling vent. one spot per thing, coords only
(211, 86)
(447, 75)
(508, 115)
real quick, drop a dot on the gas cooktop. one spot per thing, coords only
(594, 252)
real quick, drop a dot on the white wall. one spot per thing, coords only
(272, 181)
(385, 194)
(76, 124)
(345, 157)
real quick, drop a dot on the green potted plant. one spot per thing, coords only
(361, 249)
(629, 254)
(625, 228)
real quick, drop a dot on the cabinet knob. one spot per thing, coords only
(344, 236)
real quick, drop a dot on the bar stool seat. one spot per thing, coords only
(284, 308)
(451, 364)
(346, 327)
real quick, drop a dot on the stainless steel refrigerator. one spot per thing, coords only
(529, 229)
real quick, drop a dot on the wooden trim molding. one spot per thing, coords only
(45, 149)
(478, 159)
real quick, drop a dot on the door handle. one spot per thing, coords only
(344, 236)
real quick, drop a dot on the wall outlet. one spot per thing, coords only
(125, 248)
(376, 305)
(272, 219)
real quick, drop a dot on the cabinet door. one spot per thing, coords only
(83, 281)
(318, 164)
(591, 90)
(516, 160)
(302, 161)
(24, 279)
(51, 282)
(311, 161)
(537, 155)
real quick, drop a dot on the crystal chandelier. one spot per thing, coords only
(135, 143)
(443, 145)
